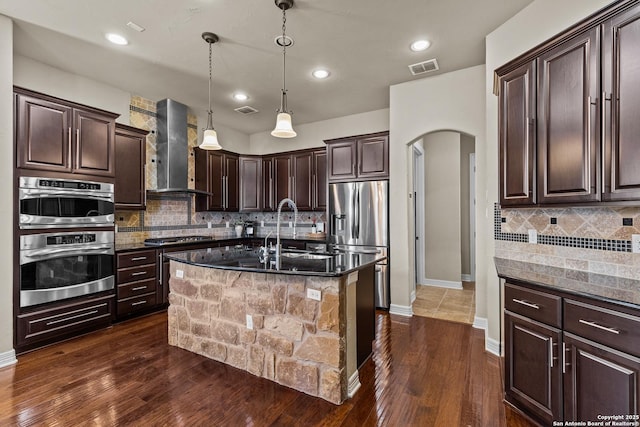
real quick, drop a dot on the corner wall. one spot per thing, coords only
(7, 354)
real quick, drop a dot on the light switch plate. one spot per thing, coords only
(635, 243)
(533, 236)
(179, 274)
(314, 294)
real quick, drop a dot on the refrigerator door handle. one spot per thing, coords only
(352, 217)
(357, 213)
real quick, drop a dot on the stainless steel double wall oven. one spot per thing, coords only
(66, 237)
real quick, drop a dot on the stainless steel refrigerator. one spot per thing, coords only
(359, 223)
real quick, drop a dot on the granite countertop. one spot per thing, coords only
(335, 264)
(614, 289)
(119, 247)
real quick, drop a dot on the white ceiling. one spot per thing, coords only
(365, 44)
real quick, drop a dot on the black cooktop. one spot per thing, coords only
(159, 241)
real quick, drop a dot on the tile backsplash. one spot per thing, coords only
(592, 239)
(175, 215)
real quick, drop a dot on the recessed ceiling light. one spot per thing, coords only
(320, 73)
(420, 45)
(117, 39)
(239, 96)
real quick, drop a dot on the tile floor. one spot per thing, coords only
(456, 305)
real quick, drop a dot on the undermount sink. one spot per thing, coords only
(305, 255)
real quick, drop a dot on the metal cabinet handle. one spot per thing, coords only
(138, 258)
(551, 352)
(138, 288)
(597, 326)
(564, 358)
(160, 269)
(525, 303)
(139, 273)
(139, 302)
(88, 313)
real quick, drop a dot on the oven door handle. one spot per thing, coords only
(28, 256)
(34, 194)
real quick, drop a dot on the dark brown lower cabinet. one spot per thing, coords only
(598, 381)
(533, 376)
(579, 365)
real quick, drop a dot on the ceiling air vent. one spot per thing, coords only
(246, 110)
(424, 67)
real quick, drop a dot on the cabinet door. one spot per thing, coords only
(341, 157)
(302, 179)
(281, 178)
(232, 183)
(94, 149)
(373, 157)
(319, 180)
(568, 155)
(215, 178)
(599, 380)
(533, 375)
(517, 136)
(268, 190)
(620, 103)
(43, 134)
(130, 192)
(251, 184)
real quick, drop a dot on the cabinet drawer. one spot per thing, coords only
(133, 305)
(131, 259)
(136, 288)
(540, 306)
(63, 322)
(136, 273)
(614, 329)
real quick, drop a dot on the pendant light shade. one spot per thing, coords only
(284, 128)
(210, 138)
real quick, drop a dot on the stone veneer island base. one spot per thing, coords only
(296, 341)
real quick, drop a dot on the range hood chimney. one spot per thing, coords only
(172, 149)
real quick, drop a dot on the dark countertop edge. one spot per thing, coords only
(172, 256)
(562, 289)
(123, 247)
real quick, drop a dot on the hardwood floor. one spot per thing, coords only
(424, 372)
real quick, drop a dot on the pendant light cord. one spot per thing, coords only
(210, 119)
(283, 101)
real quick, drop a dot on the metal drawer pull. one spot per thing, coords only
(138, 273)
(138, 258)
(564, 357)
(139, 288)
(528, 304)
(139, 302)
(89, 313)
(604, 328)
(551, 351)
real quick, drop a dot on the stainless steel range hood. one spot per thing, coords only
(172, 149)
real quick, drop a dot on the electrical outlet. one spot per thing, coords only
(290, 224)
(179, 274)
(635, 243)
(249, 322)
(208, 224)
(314, 294)
(533, 236)
(227, 224)
(262, 223)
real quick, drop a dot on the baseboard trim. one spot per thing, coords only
(491, 345)
(480, 323)
(413, 296)
(466, 278)
(450, 284)
(354, 384)
(8, 358)
(401, 310)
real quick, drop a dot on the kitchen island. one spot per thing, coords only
(308, 324)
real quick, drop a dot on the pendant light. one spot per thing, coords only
(283, 128)
(210, 139)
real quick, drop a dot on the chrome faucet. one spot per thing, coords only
(264, 250)
(292, 204)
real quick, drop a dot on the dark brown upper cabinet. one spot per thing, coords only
(217, 172)
(587, 104)
(568, 143)
(302, 179)
(250, 183)
(620, 104)
(130, 167)
(268, 195)
(517, 136)
(60, 136)
(319, 180)
(363, 157)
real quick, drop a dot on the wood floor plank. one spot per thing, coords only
(423, 372)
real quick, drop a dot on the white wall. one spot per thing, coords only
(451, 101)
(536, 23)
(442, 208)
(312, 135)
(7, 354)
